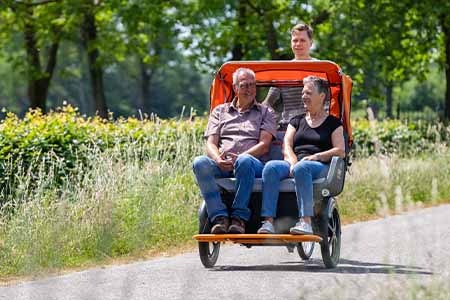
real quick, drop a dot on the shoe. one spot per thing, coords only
(267, 228)
(221, 225)
(301, 227)
(237, 225)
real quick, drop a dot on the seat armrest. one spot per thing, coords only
(334, 181)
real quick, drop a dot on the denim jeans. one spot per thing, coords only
(246, 169)
(305, 172)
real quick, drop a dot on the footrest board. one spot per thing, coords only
(258, 238)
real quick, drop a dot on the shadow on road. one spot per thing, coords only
(346, 266)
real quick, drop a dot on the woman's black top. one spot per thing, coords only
(308, 141)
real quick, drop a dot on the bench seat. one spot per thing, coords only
(329, 185)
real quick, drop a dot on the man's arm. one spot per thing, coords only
(265, 138)
(272, 97)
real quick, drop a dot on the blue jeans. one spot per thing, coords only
(305, 172)
(246, 169)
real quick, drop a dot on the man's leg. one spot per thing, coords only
(246, 168)
(206, 171)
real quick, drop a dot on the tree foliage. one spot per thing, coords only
(126, 49)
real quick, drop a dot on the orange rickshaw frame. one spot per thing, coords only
(285, 74)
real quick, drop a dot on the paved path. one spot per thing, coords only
(394, 257)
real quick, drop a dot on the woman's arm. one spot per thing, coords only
(288, 146)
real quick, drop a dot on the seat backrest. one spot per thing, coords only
(276, 147)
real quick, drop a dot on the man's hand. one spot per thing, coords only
(226, 161)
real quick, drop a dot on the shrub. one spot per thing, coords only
(393, 137)
(63, 139)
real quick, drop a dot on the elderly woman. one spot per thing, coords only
(311, 140)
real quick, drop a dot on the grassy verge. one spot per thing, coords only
(113, 207)
(118, 207)
(378, 186)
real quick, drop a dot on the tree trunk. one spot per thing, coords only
(38, 81)
(446, 30)
(271, 39)
(389, 90)
(238, 49)
(89, 34)
(83, 94)
(144, 96)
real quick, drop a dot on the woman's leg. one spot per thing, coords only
(274, 171)
(305, 172)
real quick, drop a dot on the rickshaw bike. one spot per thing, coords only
(326, 222)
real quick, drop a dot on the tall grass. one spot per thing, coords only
(117, 204)
(383, 185)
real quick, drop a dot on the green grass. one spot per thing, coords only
(380, 185)
(112, 207)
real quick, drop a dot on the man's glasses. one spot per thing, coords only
(247, 85)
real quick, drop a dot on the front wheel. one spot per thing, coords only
(208, 251)
(305, 250)
(330, 246)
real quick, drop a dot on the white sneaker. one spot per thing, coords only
(301, 227)
(266, 228)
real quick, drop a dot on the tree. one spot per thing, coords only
(218, 31)
(89, 38)
(149, 27)
(376, 42)
(39, 23)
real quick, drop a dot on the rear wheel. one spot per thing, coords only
(330, 228)
(209, 251)
(305, 250)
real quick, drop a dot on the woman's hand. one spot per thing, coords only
(291, 171)
(291, 167)
(315, 157)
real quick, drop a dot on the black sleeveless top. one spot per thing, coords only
(308, 141)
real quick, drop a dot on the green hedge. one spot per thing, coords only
(63, 139)
(393, 137)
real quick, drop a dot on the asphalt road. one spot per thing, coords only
(394, 257)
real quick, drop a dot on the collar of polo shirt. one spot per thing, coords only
(233, 105)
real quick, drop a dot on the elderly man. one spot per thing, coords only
(238, 134)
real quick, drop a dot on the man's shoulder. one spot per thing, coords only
(221, 107)
(263, 106)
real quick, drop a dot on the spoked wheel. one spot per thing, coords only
(209, 251)
(305, 250)
(331, 238)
